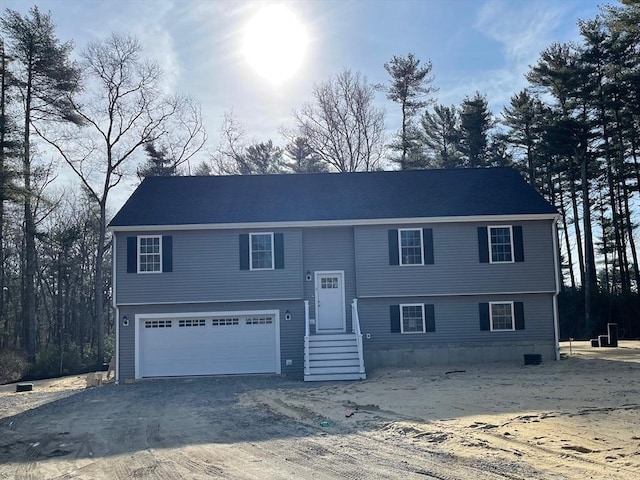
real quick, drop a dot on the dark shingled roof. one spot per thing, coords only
(330, 196)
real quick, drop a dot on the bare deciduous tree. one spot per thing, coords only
(343, 127)
(124, 109)
(237, 156)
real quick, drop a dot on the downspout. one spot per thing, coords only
(115, 304)
(556, 264)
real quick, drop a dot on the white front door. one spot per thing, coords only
(330, 308)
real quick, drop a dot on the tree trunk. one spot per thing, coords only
(565, 228)
(576, 220)
(98, 284)
(589, 257)
(29, 313)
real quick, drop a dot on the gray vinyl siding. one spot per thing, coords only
(291, 331)
(457, 321)
(329, 249)
(456, 269)
(206, 268)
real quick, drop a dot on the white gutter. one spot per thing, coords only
(556, 263)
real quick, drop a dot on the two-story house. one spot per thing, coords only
(322, 275)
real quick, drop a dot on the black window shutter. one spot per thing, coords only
(132, 254)
(394, 313)
(519, 315)
(278, 247)
(518, 246)
(430, 317)
(483, 245)
(244, 251)
(427, 245)
(167, 253)
(394, 255)
(484, 316)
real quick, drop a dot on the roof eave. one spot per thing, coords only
(339, 223)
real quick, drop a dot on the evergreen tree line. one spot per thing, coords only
(572, 132)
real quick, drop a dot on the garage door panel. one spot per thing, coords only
(206, 346)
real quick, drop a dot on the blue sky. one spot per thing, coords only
(475, 45)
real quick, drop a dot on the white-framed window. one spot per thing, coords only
(261, 254)
(412, 318)
(501, 316)
(410, 245)
(149, 254)
(500, 244)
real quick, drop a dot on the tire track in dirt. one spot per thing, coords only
(486, 439)
(354, 458)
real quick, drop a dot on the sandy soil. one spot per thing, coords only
(574, 419)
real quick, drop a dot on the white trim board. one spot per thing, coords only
(336, 223)
(428, 295)
(201, 302)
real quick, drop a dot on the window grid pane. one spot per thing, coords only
(502, 316)
(501, 244)
(411, 247)
(412, 319)
(150, 254)
(261, 251)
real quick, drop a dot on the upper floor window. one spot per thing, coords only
(149, 254)
(501, 245)
(411, 246)
(261, 251)
(411, 252)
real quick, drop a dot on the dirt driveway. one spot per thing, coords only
(574, 419)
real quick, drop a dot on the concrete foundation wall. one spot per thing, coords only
(455, 354)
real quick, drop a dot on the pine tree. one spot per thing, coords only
(441, 136)
(475, 122)
(46, 78)
(157, 164)
(302, 159)
(410, 87)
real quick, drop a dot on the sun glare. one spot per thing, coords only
(275, 43)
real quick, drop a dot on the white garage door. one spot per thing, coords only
(208, 345)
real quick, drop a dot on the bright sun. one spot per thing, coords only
(274, 43)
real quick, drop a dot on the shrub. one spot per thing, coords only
(13, 366)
